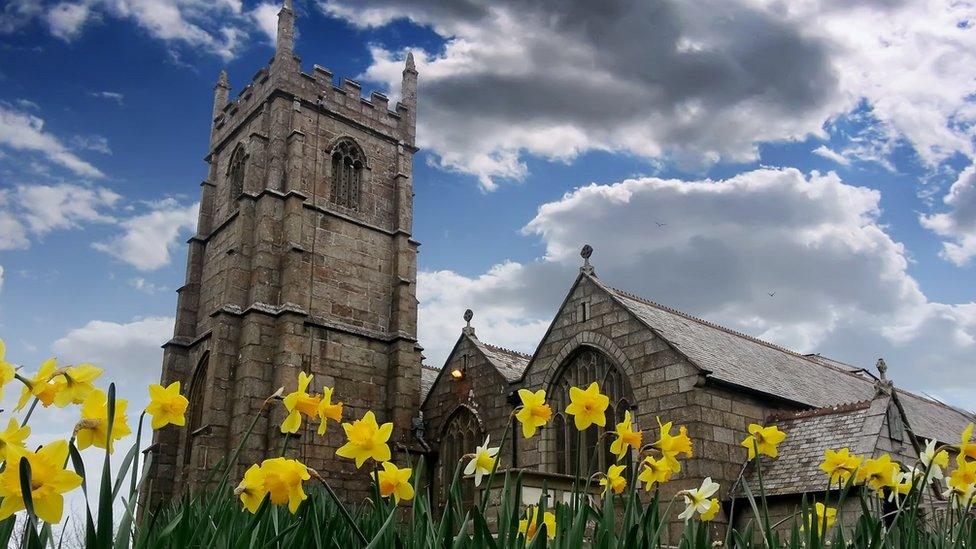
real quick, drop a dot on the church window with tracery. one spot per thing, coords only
(348, 163)
(582, 368)
(461, 435)
(236, 170)
(195, 408)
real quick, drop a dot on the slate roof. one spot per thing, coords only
(741, 360)
(808, 434)
(510, 364)
(428, 375)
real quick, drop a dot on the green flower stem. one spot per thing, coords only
(30, 411)
(494, 464)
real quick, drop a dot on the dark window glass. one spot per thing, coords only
(348, 162)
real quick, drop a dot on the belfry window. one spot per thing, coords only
(348, 162)
(582, 368)
(235, 173)
(461, 435)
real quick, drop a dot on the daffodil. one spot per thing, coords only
(713, 507)
(823, 516)
(300, 403)
(627, 438)
(671, 446)
(878, 473)
(366, 440)
(482, 463)
(840, 465)
(396, 482)
(588, 407)
(967, 447)
(279, 478)
(654, 471)
(614, 480)
(49, 481)
(535, 412)
(934, 461)
(12, 440)
(7, 370)
(41, 385)
(166, 405)
(902, 485)
(698, 499)
(327, 410)
(964, 476)
(963, 497)
(763, 439)
(529, 526)
(75, 382)
(92, 430)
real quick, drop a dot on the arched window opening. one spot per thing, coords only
(582, 368)
(195, 415)
(348, 162)
(461, 435)
(235, 173)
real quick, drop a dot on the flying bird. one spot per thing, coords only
(772, 294)
(660, 224)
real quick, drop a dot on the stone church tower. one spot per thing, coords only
(303, 260)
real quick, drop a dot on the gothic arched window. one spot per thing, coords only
(582, 368)
(461, 435)
(348, 162)
(236, 169)
(195, 408)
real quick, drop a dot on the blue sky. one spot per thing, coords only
(821, 152)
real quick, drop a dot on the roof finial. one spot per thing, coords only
(585, 253)
(468, 315)
(222, 79)
(882, 368)
(410, 65)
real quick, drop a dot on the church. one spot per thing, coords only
(304, 261)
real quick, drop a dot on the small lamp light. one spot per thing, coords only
(457, 373)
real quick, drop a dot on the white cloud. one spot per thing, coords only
(832, 155)
(146, 287)
(64, 206)
(265, 16)
(1, 277)
(13, 234)
(130, 352)
(958, 225)
(66, 19)
(150, 238)
(95, 143)
(109, 95)
(692, 82)
(840, 282)
(21, 131)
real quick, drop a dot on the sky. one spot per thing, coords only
(800, 171)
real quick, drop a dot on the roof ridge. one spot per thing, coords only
(710, 324)
(822, 411)
(506, 350)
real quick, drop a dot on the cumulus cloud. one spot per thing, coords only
(265, 16)
(149, 239)
(22, 131)
(840, 282)
(127, 351)
(831, 155)
(693, 82)
(64, 206)
(66, 19)
(958, 224)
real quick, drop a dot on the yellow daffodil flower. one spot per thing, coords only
(698, 499)
(840, 465)
(967, 447)
(588, 407)
(765, 439)
(654, 471)
(823, 516)
(12, 440)
(280, 478)
(166, 405)
(92, 430)
(964, 476)
(627, 438)
(713, 508)
(529, 526)
(960, 498)
(366, 440)
(42, 386)
(7, 370)
(396, 482)
(300, 403)
(75, 382)
(934, 461)
(535, 412)
(614, 480)
(326, 410)
(49, 480)
(878, 474)
(671, 446)
(482, 463)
